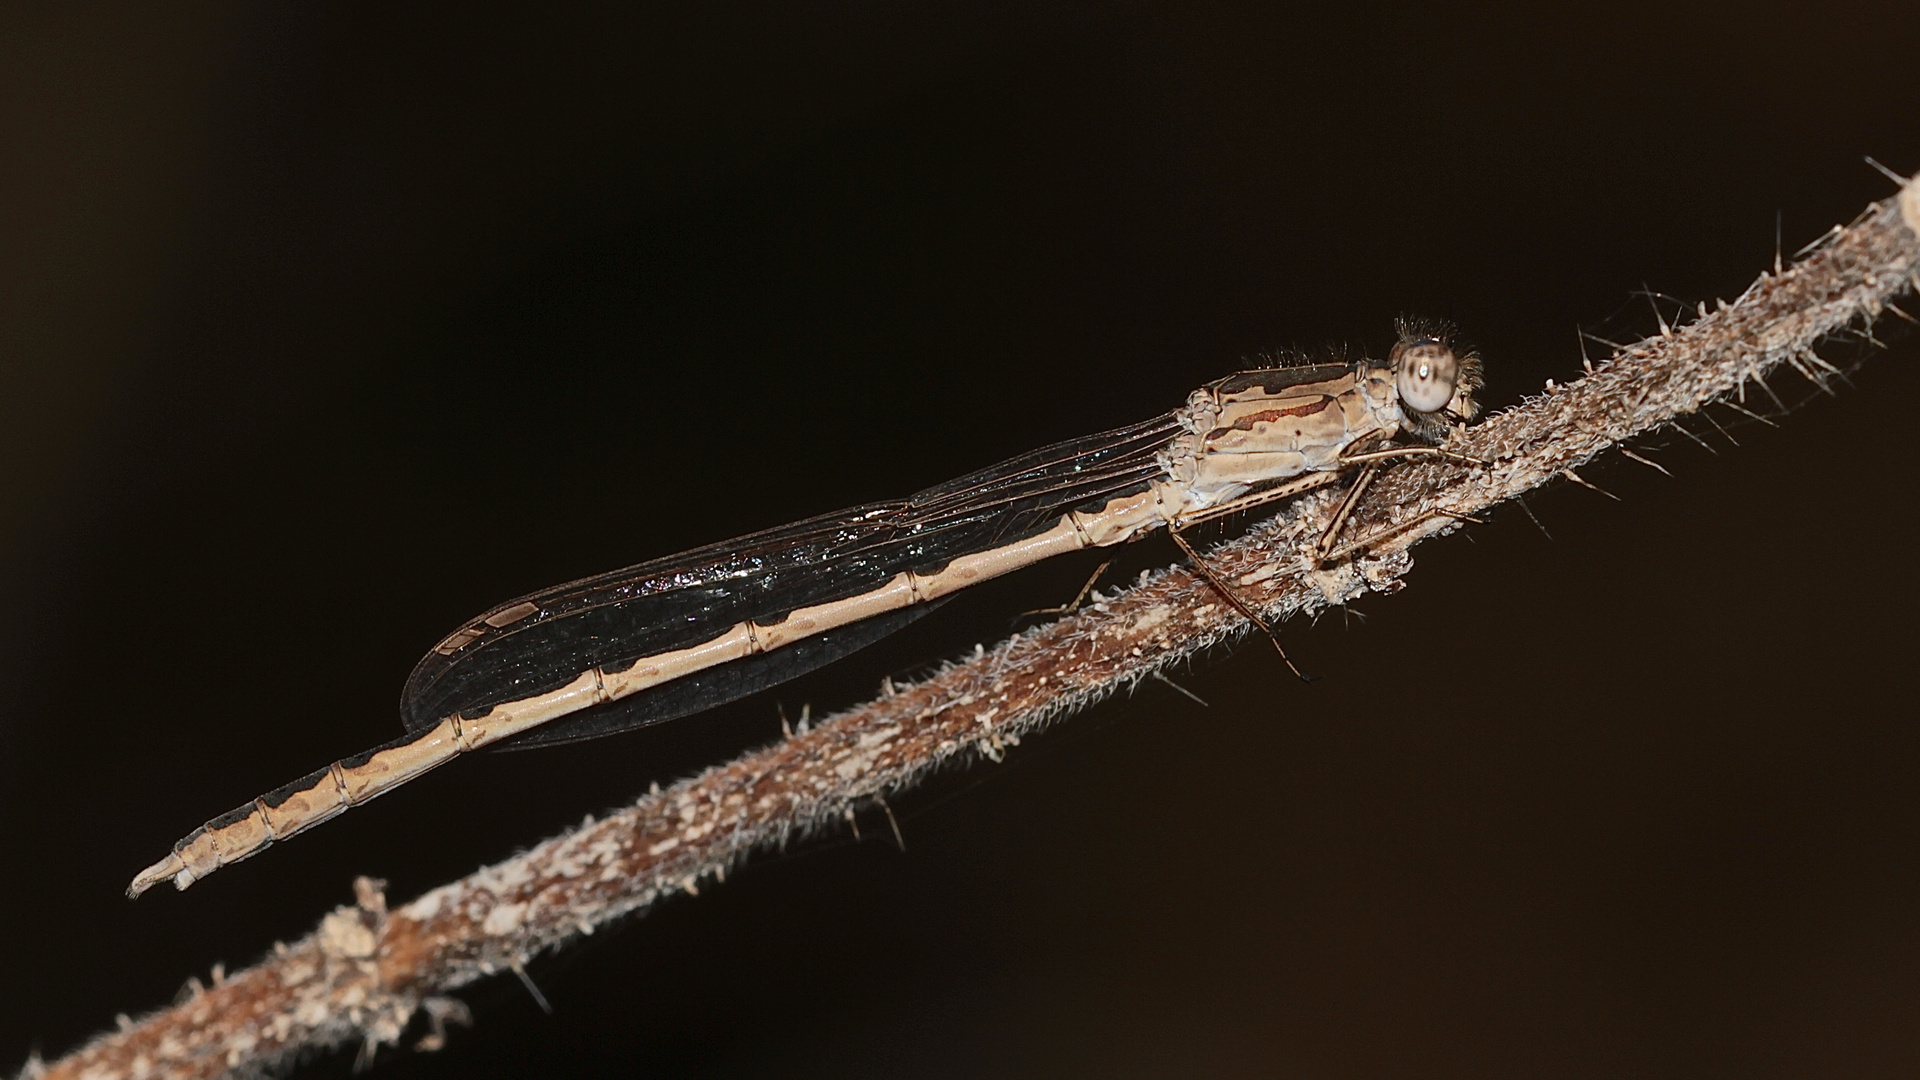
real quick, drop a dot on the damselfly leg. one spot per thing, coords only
(1353, 547)
(1324, 552)
(1239, 605)
(1244, 503)
(1073, 604)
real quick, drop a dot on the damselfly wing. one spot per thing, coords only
(538, 643)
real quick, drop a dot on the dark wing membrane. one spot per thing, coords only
(543, 641)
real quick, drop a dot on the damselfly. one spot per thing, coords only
(672, 637)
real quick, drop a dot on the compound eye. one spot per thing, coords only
(1424, 374)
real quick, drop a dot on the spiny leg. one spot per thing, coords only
(1235, 602)
(1244, 503)
(1323, 550)
(1413, 451)
(1349, 549)
(1073, 604)
(1340, 515)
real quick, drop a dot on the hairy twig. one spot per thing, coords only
(364, 974)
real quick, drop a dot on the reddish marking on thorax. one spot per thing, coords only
(1246, 422)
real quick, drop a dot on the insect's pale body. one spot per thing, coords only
(667, 638)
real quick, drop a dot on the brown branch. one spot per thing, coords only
(365, 972)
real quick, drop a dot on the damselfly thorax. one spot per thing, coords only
(672, 637)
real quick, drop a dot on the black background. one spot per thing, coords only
(328, 327)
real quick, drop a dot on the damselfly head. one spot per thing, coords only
(1434, 377)
(1424, 372)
